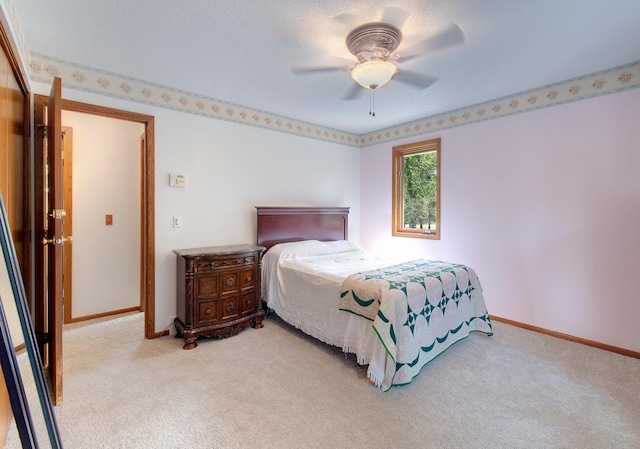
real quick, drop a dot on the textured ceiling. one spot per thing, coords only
(241, 51)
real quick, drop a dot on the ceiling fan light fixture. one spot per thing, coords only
(373, 74)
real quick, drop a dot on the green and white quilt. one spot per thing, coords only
(418, 309)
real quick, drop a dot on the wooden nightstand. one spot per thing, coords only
(218, 291)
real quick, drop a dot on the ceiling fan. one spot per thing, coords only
(374, 45)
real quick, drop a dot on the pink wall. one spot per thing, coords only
(545, 206)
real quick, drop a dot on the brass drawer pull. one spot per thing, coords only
(230, 282)
(230, 307)
(207, 311)
(248, 279)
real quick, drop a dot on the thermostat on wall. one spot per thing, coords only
(177, 180)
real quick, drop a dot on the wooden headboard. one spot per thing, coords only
(292, 224)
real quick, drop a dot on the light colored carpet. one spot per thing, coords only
(276, 388)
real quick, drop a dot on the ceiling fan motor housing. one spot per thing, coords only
(373, 41)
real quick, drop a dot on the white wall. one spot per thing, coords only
(545, 205)
(231, 168)
(106, 180)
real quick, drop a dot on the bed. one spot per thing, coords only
(394, 315)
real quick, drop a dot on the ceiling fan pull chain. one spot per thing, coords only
(372, 111)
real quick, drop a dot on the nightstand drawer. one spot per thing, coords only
(206, 264)
(229, 282)
(207, 313)
(247, 279)
(248, 303)
(207, 286)
(229, 308)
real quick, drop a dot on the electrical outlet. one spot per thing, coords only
(177, 221)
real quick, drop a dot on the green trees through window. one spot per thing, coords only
(416, 190)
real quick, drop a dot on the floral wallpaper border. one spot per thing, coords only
(601, 83)
(79, 77)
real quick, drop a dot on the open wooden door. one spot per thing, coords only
(56, 239)
(50, 213)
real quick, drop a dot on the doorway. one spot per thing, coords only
(146, 200)
(106, 219)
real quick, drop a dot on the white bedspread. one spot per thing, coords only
(302, 281)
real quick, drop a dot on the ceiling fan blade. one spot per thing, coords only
(317, 69)
(354, 91)
(346, 18)
(415, 79)
(395, 16)
(448, 37)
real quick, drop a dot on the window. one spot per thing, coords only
(416, 190)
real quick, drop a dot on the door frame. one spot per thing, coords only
(147, 212)
(67, 223)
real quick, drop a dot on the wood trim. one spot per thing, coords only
(162, 334)
(103, 111)
(143, 234)
(149, 225)
(104, 314)
(67, 224)
(568, 337)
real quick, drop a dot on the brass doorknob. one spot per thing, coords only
(64, 239)
(59, 241)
